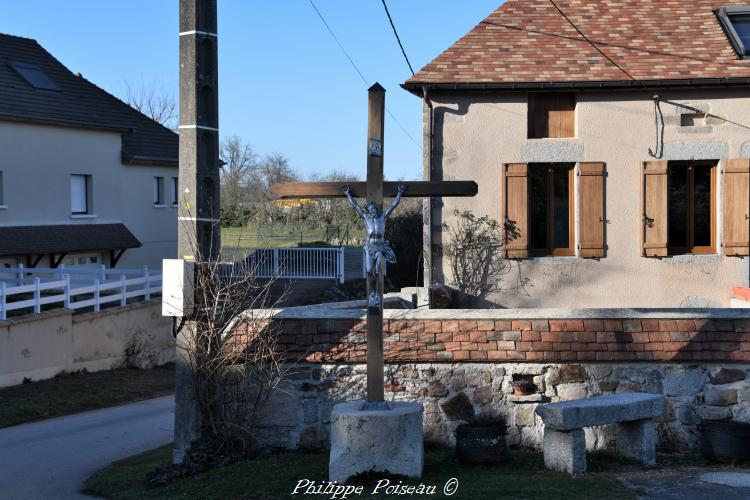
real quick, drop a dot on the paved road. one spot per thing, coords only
(51, 459)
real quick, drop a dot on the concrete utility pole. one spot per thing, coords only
(198, 214)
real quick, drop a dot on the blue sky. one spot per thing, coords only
(284, 84)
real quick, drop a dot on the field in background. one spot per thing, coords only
(289, 236)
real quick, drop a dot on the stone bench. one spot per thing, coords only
(564, 443)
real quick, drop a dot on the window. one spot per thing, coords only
(158, 191)
(34, 76)
(690, 207)
(80, 194)
(736, 23)
(551, 209)
(551, 115)
(175, 198)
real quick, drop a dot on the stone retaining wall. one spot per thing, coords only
(298, 415)
(459, 364)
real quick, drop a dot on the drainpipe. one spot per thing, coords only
(427, 202)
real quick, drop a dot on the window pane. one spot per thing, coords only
(702, 193)
(34, 76)
(562, 207)
(677, 201)
(742, 27)
(538, 207)
(78, 194)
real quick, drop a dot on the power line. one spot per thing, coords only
(589, 41)
(356, 68)
(351, 61)
(398, 39)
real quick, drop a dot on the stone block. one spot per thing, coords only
(572, 391)
(637, 441)
(601, 410)
(458, 407)
(727, 376)
(565, 451)
(715, 412)
(681, 382)
(716, 396)
(382, 440)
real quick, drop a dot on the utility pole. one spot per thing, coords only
(198, 235)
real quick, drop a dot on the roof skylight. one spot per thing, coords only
(34, 76)
(736, 22)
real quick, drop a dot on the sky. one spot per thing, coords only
(284, 84)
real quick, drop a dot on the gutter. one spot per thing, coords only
(149, 161)
(427, 202)
(418, 88)
(64, 123)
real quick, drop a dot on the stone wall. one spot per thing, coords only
(459, 364)
(298, 415)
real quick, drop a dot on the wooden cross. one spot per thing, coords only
(374, 190)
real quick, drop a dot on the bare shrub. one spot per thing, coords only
(230, 346)
(475, 247)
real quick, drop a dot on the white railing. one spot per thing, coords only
(73, 288)
(289, 263)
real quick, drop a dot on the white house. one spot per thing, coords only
(84, 178)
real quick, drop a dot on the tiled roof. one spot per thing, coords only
(79, 102)
(529, 41)
(65, 238)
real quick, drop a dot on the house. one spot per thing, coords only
(614, 136)
(84, 178)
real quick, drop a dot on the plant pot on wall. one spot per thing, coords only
(481, 443)
(523, 387)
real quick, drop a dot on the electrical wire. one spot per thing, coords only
(398, 39)
(356, 68)
(589, 41)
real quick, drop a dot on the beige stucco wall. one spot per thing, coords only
(39, 346)
(475, 134)
(37, 162)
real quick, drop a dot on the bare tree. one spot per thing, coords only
(238, 171)
(153, 101)
(275, 168)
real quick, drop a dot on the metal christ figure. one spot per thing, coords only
(376, 248)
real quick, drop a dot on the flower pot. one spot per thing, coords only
(481, 444)
(725, 440)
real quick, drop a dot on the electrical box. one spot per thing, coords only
(177, 292)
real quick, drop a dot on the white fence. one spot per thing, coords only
(73, 288)
(290, 263)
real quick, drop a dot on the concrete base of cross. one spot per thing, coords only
(387, 440)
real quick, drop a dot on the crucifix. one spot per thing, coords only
(377, 250)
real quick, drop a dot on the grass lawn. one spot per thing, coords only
(71, 393)
(524, 476)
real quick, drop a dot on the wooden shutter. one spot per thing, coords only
(591, 209)
(654, 209)
(516, 210)
(551, 115)
(736, 199)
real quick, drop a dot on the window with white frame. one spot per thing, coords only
(175, 184)
(158, 191)
(80, 194)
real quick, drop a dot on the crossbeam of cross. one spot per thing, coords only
(376, 249)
